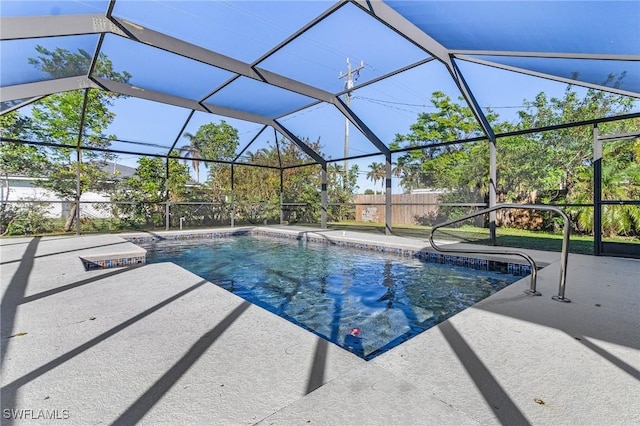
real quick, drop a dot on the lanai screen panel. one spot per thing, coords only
(255, 97)
(43, 8)
(243, 30)
(389, 107)
(520, 32)
(324, 123)
(505, 92)
(262, 150)
(318, 56)
(270, 148)
(535, 26)
(162, 71)
(21, 60)
(309, 42)
(146, 127)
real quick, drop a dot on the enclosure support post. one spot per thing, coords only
(233, 201)
(78, 171)
(597, 192)
(281, 196)
(493, 177)
(387, 196)
(83, 115)
(166, 196)
(323, 197)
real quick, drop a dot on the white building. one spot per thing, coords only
(20, 189)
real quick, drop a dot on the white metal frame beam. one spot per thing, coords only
(46, 87)
(24, 27)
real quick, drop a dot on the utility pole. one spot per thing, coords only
(351, 75)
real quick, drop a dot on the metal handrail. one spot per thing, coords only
(532, 289)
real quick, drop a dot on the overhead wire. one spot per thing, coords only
(382, 101)
(393, 80)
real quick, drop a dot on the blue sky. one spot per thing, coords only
(246, 30)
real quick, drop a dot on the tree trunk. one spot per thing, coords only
(72, 218)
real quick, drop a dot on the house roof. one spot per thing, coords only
(118, 171)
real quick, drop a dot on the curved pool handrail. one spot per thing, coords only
(534, 270)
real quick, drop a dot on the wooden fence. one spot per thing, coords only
(406, 209)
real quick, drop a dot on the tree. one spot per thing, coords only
(257, 191)
(407, 171)
(300, 184)
(565, 150)
(192, 150)
(377, 173)
(212, 142)
(561, 168)
(57, 119)
(341, 188)
(620, 181)
(16, 159)
(452, 165)
(552, 166)
(146, 189)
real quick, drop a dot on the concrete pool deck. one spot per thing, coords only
(156, 344)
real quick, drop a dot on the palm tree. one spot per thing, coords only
(335, 171)
(619, 182)
(193, 151)
(401, 170)
(262, 156)
(376, 173)
(382, 175)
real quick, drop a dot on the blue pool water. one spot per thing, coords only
(367, 302)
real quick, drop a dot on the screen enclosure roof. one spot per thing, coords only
(302, 69)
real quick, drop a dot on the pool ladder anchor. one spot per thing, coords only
(534, 269)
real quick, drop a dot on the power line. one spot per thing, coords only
(388, 106)
(395, 82)
(429, 106)
(382, 101)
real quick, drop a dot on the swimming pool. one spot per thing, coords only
(364, 301)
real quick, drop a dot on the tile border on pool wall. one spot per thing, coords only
(428, 256)
(146, 239)
(112, 262)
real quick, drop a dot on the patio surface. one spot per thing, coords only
(156, 344)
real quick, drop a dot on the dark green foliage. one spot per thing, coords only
(27, 219)
(340, 189)
(146, 191)
(548, 167)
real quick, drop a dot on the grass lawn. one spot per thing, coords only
(506, 237)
